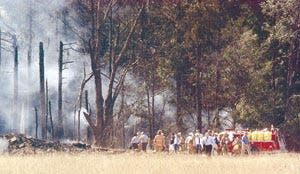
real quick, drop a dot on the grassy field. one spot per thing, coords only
(92, 163)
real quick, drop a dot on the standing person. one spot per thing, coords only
(181, 141)
(177, 142)
(144, 139)
(134, 142)
(236, 144)
(159, 141)
(245, 144)
(171, 143)
(198, 142)
(209, 142)
(224, 144)
(189, 142)
(218, 147)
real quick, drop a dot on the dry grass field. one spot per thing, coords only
(131, 163)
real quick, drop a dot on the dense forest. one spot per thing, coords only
(100, 70)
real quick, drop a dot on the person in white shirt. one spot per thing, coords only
(171, 143)
(198, 143)
(134, 142)
(144, 139)
(176, 142)
(208, 142)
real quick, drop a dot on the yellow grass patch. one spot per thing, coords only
(99, 163)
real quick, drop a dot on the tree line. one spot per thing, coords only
(241, 57)
(215, 63)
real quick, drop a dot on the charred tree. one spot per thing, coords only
(51, 120)
(86, 94)
(16, 86)
(102, 129)
(30, 33)
(29, 59)
(78, 104)
(60, 129)
(78, 119)
(47, 113)
(36, 122)
(42, 119)
(89, 135)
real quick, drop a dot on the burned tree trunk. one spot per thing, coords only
(42, 91)
(89, 135)
(86, 99)
(36, 122)
(51, 120)
(78, 119)
(104, 109)
(60, 130)
(29, 61)
(46, 103)
(29, 54)
(16, 86)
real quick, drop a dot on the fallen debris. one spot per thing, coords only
(19, 143)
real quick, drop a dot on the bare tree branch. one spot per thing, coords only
(128, 37)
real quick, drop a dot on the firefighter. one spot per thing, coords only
(224, 144)
(159, 141)
(236, 146)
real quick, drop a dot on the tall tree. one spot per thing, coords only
(42, 118)
(16, 84)
(283, 53)
(60, 130)
(94, 14)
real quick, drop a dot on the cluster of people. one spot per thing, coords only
(195, 142)
(139, 141)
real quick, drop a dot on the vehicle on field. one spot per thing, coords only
(260, 140)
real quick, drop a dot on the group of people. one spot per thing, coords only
(139, 141)
(195, 142)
